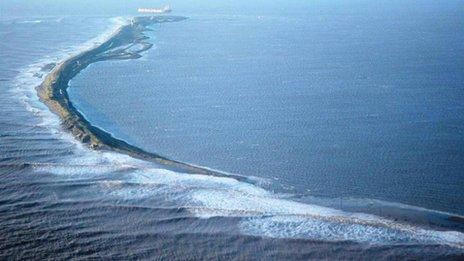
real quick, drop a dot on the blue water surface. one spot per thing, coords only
(337, 100)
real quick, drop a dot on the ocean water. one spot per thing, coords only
(346, 117)
(358, 102)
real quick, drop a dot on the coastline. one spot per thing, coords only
(79, 126)
(127, 42)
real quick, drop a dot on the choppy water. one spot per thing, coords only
(59, 199)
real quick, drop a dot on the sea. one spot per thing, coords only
(344, 118)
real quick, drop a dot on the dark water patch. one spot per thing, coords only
(33, 157)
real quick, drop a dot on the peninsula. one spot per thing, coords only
(127, 42)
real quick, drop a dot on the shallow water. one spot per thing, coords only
(61, 200)
(360, 103)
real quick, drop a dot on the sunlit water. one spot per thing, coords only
(311, 106)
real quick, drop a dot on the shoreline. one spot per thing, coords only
(126, 43)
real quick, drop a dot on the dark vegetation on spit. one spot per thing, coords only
(126, 43)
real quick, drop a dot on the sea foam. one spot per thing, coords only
(32, 76)
(261, 212)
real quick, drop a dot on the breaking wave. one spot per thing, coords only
(260, 212)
